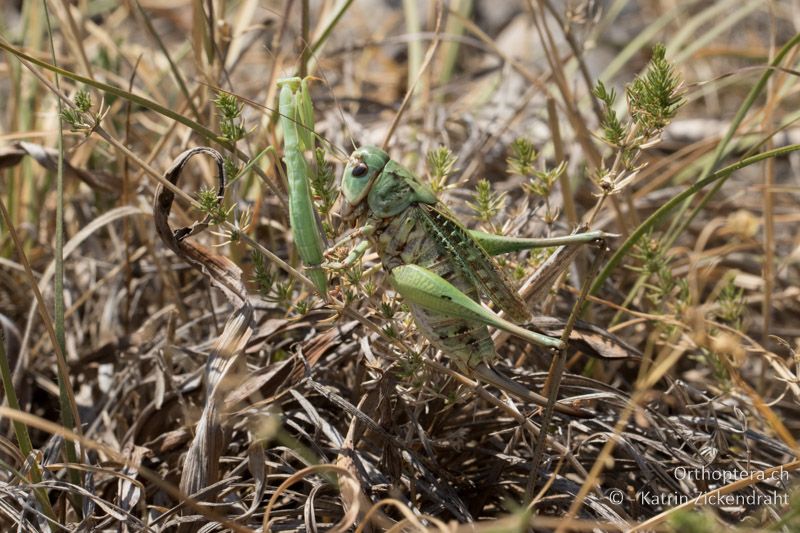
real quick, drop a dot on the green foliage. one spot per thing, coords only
(79, 118)
(283, 293)
(687, 521)
(731, 306)
(522, 157)
(387, 309)
(83, 101)
(262, 275)
(211, 205)
(410, 366)
(302, 306)
(541, 182)
(654, 99)
(390, 331)
(441, 165)
(486, 203)
(231, 168)
(231, 123)
(662, 289)
(522, 162)
(613, 131)
(323, 183)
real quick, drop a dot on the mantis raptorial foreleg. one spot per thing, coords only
(297, 121)
(355, 254)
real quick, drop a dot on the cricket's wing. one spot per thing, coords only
(474, 262)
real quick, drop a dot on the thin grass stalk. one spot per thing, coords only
(176, 73)
(577, 54)
(150, 104)
(603, 458)
(716, 494)
(559, 155)
(653, 220)
(573, 114)
(576, 120)
(32, 35)
(641, 40)
(680, 223)
(320, 41)
(21, 430)
(68, 418)
(61, 362)
(554, 376)
(125, 200)
(453, 29)
(305, 51)
(768, 206)
(425, 63)
(414, 28)
(72, 34)
(114, 455)
(713, 14)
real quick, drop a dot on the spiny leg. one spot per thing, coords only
(426, 289)
(429, 290)
(501, 244)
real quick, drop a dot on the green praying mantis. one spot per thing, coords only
(440, 268)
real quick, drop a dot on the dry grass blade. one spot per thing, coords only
(220, 271)
(202, 459)
(48, 158)
(353, 497)
(219, 391)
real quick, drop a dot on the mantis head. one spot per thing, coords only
(363, 167)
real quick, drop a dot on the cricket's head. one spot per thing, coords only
(363, 167)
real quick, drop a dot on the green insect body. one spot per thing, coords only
(297, 122)
(439, 266)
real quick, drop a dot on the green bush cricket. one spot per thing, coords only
(440, 268)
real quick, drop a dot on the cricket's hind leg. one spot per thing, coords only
(469, 345)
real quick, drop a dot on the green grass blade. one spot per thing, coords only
(653, 220)
(69, 414)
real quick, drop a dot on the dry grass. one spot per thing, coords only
(188, 384)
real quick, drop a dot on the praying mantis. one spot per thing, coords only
(439, 267)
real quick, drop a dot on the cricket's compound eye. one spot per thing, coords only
(360, 170)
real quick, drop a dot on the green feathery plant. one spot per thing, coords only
(80, 118)
(523, 156)
(231, 122)
(487, 203)
(521, 162)
(323, 184)
(211, 206)
(441, 165)
(653, 99)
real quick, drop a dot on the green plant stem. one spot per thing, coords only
(173, 67)
(69, 418)
(653, 220)
(21, 430)
(680, 223)
(149, 104)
